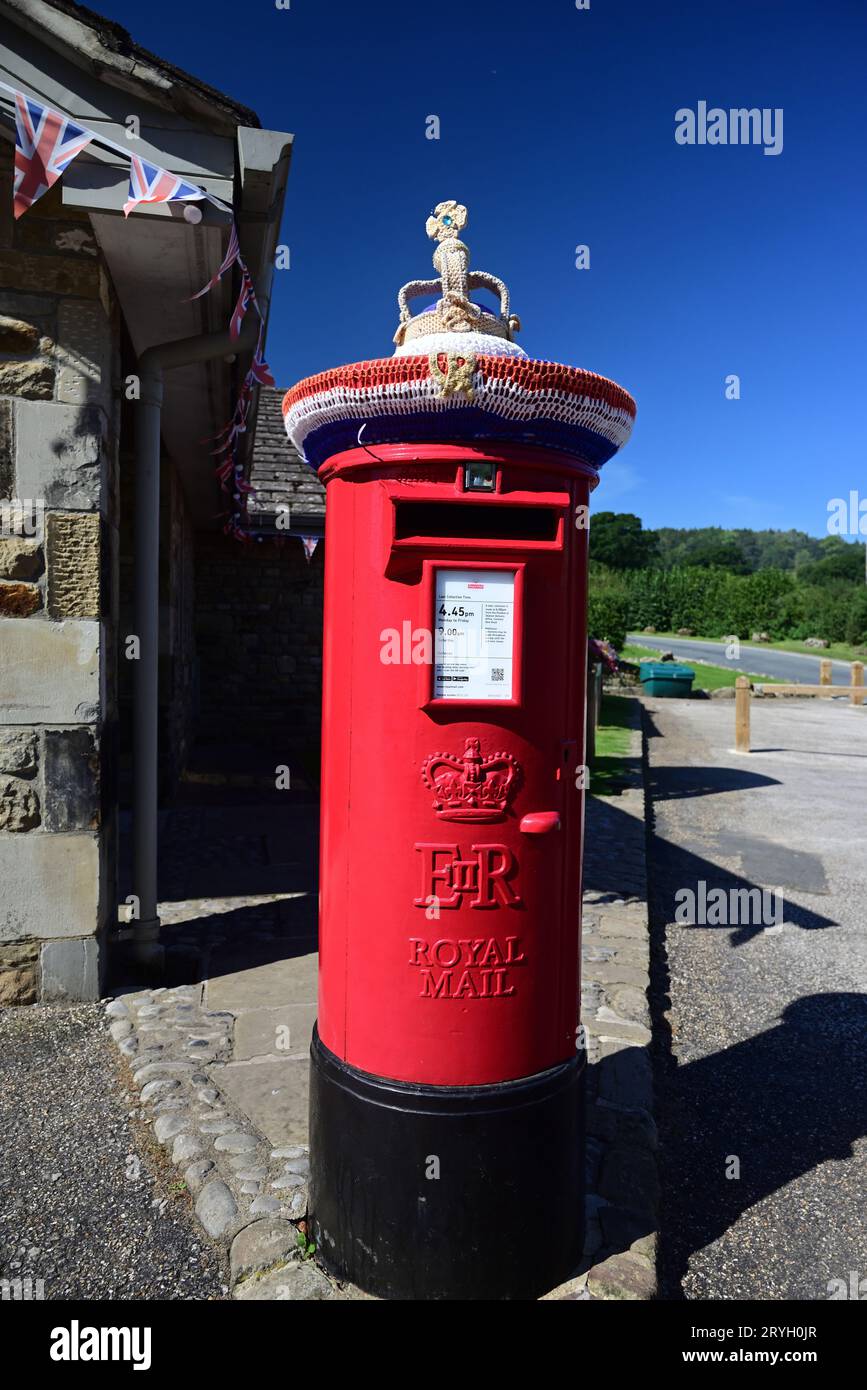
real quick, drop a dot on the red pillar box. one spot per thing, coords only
(446, 1082)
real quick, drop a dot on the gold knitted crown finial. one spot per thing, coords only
(454, 312)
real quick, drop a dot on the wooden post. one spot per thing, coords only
(856, 696)
(591, 719)
(825, 672)
(742, 714)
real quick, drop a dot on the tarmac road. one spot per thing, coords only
(761, 1082)
(761, 661)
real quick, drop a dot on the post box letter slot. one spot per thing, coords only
(467, 521)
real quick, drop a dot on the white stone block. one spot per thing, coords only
(50, 886)
(70, 971)
(58, 454)
(49, 672)
(84, 354)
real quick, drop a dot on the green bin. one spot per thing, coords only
(666, 678)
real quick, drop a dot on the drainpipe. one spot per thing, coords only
(153, 363)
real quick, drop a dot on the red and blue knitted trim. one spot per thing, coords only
(401, 399)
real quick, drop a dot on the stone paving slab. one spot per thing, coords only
(291, 980)
(279, 1033)
(621, 1165)
(273, 1096)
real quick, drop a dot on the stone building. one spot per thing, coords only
(83, 293)
(258, 617)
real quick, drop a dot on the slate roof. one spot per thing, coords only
(280, 475)
(107, 48)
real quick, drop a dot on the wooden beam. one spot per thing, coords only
(827, 690)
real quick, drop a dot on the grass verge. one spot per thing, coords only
(837, 651)
(613, 736)
(707, 677)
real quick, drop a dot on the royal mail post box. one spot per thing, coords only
(447, 1064)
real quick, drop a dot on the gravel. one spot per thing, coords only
(87, 1201)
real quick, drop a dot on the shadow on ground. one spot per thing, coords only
(237, 881)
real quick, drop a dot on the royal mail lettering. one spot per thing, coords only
(466, 967)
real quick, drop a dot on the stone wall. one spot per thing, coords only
(59, 344)
(259, 640)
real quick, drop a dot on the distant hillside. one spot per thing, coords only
(716, 582)
(760, 550)
(618, 539)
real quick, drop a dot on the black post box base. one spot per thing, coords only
(447, 1192)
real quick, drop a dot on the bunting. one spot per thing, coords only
(246, 297)
(148, 183)
(46, 143)
(233, 254)
(260, 370)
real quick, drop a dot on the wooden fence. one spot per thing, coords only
(744, 690)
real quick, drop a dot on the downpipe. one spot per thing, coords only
(145, 947)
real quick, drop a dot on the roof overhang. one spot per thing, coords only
(156, 259)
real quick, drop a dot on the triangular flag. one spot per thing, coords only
(233, 251)
(46, 142)
(310, 543)
(246, 297)
(148, 183)
(260, 371)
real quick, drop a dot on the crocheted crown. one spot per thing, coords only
(456, 375)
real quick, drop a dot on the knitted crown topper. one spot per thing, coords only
(457, 374)
(453, 312)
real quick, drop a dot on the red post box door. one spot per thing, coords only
(451, 830)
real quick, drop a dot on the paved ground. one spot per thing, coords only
(764, 1068)
(759, 661)
(258, 941)
(238, 905)
(82, 1206)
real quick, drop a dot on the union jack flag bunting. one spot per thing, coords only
(148, 183)
(259, 370)
(245, 299)
(233, 252)
(46, 143)
(310, 543)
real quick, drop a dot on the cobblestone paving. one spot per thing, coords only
(622, 1181)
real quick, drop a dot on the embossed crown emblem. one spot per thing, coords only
(471, 787)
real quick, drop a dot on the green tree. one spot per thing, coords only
(608, 605)
(721, 551)
(618, 540)
(856, 618)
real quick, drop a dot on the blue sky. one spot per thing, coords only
(557, 129)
